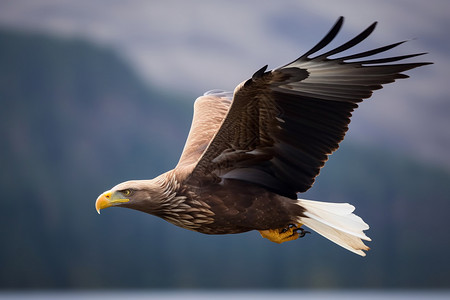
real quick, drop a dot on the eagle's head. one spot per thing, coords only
(143, 195)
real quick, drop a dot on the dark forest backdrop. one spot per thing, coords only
(75, 120)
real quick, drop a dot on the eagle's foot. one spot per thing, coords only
(282, 235)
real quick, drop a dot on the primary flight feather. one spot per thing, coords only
(249, 152)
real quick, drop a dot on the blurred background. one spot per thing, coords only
(97, 92)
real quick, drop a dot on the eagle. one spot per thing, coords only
(251, 151)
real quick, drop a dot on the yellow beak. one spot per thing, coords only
(106, 200)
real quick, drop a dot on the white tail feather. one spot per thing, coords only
(336, 222)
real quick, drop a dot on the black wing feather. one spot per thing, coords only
(282, 125)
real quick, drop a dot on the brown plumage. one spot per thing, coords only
(250, 152)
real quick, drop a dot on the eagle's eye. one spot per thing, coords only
(126, 192)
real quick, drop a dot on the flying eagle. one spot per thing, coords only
(249, 152)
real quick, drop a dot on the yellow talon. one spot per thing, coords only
(281, 235)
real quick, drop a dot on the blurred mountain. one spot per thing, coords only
(76, 120)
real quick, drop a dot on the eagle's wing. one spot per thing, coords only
(209, 112)
(283, 124)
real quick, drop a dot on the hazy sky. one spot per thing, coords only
(195, 46)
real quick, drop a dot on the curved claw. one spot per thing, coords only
(302, 232)
(290, 226)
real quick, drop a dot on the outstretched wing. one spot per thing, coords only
(209, 112)
(283, 124)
